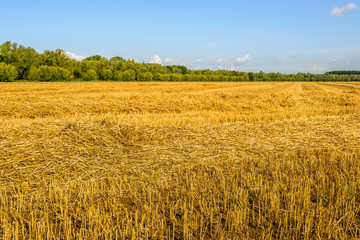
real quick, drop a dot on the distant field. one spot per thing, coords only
(180, 160)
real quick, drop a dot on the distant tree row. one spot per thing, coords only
(344, 72)
(25, 63)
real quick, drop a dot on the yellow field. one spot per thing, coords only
(179, 160)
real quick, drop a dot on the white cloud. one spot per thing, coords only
(156, 59)
(74, 56)
(232, 68)
(313, 69)
(197, 60)
(170, 61)
(339, 12)
(219, 61)
(244, 59)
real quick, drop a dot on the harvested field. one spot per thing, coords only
(180, 160)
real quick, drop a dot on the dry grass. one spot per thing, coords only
(180, 161)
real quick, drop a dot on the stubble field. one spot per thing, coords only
(180, 160)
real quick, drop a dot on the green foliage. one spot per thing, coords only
(157, 77)
(118, 76)
(147, 76)
(165, 77)
(94, 58)
(106, 74)
(24, 59)
(251, 76)
(49, 74)
(344, 72)
(129, 75)
(117, 64)
(57, 58)
(7, 72)
(20, 57)
(90, 75)
(177, 69)
(63, 74)
(5, 51)
(176, 77)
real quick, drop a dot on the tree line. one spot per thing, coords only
(25, 63)
(344, 72)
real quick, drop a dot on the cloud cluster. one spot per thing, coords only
(244, 59)
(339, 12)
(74, 56)
(156, 59)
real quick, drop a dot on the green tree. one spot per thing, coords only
(260, 76)
(131, 64)
(23, 59)
(117, 64)
(129, 75)
(96, 63)
(165, 77)
(7, 72)
(146, 76)
(63, 74)
(118, 76)
(251, 76)
(57, 58)
(90, 75)
(49, 74)
(94, 58)
(106, 74)
(19, 56)
(5, 51)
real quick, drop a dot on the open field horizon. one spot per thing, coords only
(180, 160)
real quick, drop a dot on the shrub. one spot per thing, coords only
(49, 74)
(129, 75)
(146, 76)
(7, 72)
(118, 76)
(90, 75)
(106, 74)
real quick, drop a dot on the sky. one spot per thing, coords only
(287, 36)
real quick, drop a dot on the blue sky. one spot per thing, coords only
(285, 36)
